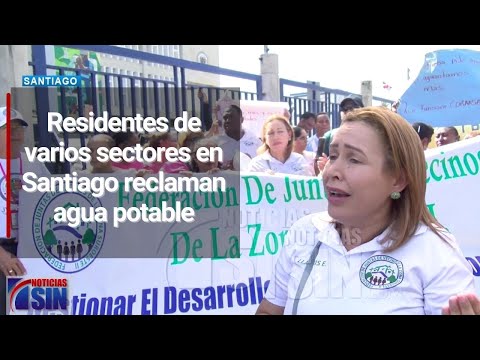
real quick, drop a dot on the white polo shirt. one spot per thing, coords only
(248, 144)
(418, 278)
(311, 158)
(295, 164)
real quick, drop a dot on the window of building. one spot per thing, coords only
(175, 51)
(135, 47)
(156, 51)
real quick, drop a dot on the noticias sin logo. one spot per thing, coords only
(32, 296)
(51, 80)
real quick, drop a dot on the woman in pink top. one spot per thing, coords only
(124, 140)
(167, 141)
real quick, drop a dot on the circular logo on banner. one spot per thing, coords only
(3, 188)
(67, 249)
(16, 185)
(381, 272)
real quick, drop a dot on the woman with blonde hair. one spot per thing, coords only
(377, 250)
(276, 154)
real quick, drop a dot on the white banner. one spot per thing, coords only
(256, 112)
(221, 263)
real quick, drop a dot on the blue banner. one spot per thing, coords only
(446, 91)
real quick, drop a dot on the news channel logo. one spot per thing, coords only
(51, 80)
(37, 296)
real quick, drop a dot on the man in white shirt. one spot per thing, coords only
(322, 125)
(236, 138)
(10, 265)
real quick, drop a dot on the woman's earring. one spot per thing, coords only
(395, 195)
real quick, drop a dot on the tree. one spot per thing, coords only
(89, 238)
(50, 240)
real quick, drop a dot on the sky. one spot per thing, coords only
(341, 67)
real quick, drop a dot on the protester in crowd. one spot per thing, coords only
(276, 154)
(236, 138)
(10, 265)
(425, 133)
(322, 125)
(189, 138)
(377, 250)
(96, 166)
(299, 146)
(165, 140)
(447, 135)
(105, 167)
(307, 121)
(347, 105)
(472, 134)
(124, 140)
(208, 167)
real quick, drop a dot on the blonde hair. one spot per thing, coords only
(156, 137)
(403, 154)
(264, 147)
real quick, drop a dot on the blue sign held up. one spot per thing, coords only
(446, 91)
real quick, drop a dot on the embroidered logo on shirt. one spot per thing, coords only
(16, 185)
(381, 272)
(3, 188)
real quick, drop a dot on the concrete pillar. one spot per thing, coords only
(314, 96)
(6, 71)
(270, 77)
(366, 92)
(13, 65)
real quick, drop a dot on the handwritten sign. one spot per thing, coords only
(446, 91)
(256, 112)
(223, 104)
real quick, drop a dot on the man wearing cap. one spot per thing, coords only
(10, 265)
(348, 104)
(425, 132)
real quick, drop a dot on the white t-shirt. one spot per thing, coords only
(295, 164)
(418, 278)
(310, 156)
(312, 144)
(248, 144)
(16, 169)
